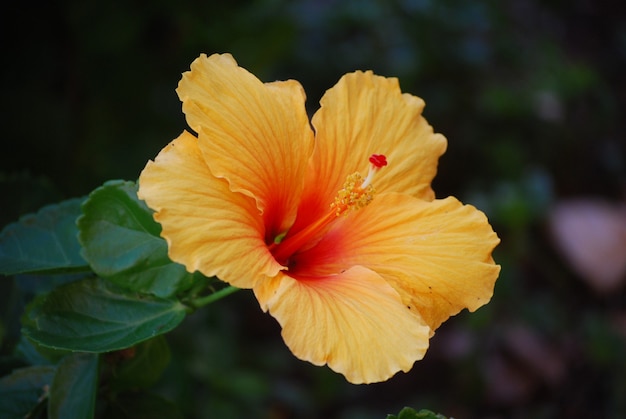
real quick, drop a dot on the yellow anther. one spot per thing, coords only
(353, 195)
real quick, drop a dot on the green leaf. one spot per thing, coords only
(35, 354)
(94, 315)
(142, 406)
(144, 368)
(409, 413)
(32, 285)
(23, 390)
(74, 387)
(44, 242)
(121, 242)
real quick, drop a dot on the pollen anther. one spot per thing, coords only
(353, 195)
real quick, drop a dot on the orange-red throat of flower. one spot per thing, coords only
(355, 194)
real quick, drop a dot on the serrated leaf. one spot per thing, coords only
(122, 244)
(35, 354)
(22, 390)
(74, 387)
(44, 242)
(145, 366)
(94, 315)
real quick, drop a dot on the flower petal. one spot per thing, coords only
(255, 135)
(437, 254)
(207, 226)
(365, 114)
(354, 322)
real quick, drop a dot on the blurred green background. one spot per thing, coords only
(530, 94)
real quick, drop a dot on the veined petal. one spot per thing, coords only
(436, 254)
(255, 135)
(354, 322)
(208, 227)
(365, 114)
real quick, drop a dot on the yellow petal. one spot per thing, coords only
(255, 135)
(208, 227)
(354, 322)
(436, 254)
(365, 114)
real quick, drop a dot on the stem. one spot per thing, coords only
(211, 298)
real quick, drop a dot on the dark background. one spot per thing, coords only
(530, 94)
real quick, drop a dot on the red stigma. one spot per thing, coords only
(378, 160)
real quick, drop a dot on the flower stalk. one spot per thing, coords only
(213, 297)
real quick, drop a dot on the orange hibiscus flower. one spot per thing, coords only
(337, 230)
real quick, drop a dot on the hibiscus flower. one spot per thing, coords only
(335, 228)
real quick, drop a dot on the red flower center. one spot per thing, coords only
(355, 194)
